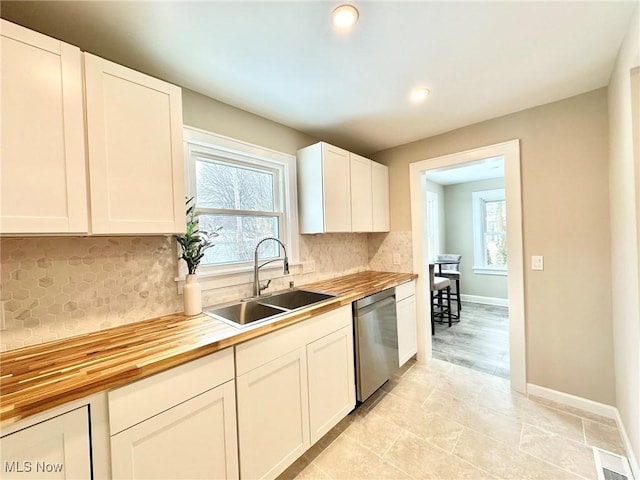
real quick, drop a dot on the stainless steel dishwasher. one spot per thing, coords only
(376, 341)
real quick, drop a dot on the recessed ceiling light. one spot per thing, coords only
(345, 16)
(419, 94)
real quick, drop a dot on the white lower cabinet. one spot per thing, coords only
(294, 385)
(407, 321)
(180, 423)
(195, 439)
(58, 448)
(331, 381)
(273, 416)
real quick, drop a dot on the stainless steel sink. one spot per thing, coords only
(244, 313)
(294, 299)
(266, 308)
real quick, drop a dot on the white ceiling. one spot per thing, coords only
(468, 172)
(283, 60)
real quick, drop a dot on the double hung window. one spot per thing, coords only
(490, 231)
(244, 189)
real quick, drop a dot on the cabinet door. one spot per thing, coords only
(195, 439)
(332, 393)
(58, 449)
(336, 189)
(42, 173)
(380, 195)
(273, 416)
(361, 195)
(407, 330)
(134, 131)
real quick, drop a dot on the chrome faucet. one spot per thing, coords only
(257, 288)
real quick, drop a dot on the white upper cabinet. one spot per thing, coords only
(340, 191)
(361, 195)
(134, 136)
(324, 189)
(133, 179)
(42, 168)
(380, 196)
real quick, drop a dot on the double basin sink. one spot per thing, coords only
(266, 308)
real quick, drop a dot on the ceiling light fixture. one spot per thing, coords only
(419, 94)
(345, 16)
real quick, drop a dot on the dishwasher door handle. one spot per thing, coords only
(374, 306)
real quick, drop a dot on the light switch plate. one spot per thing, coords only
(309, 267)
(537, 262)
(396, 258)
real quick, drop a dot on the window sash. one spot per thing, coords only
(206, 146)
(480, 200)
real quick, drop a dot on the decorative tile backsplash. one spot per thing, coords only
(59, 287)
(382, 246)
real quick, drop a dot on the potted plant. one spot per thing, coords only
(194, 243)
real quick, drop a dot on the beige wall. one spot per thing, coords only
(623, 178)
(212, 115)
(459, 227)
(564, 156)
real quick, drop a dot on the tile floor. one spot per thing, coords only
(480, 340)
(444, 421)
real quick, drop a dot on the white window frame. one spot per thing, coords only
(200, 143)
(479, 250)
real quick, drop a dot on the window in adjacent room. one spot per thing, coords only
(490, 232)
(246, 190)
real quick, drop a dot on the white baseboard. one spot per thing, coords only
(593, 407)
(501, 302)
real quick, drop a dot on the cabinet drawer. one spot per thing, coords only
(140, 400)
(257, 352)
(405, 290)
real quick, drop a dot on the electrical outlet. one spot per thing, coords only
(537, 262)
(396, 258)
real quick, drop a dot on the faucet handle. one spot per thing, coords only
(264, 286)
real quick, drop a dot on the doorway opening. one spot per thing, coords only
(466, 219)
(419, 173)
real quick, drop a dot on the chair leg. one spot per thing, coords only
(449, 304)
(458, 295)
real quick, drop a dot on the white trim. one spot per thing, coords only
(490, 271)
(510, 151)
(598, 408)
(501, 302)
(572, 400)
(628, 448)
(197, 140)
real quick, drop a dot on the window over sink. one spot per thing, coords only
(247, 190)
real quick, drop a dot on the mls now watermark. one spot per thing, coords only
(28, 466)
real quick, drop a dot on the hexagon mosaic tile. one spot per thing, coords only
(54, 288)
(58, 287)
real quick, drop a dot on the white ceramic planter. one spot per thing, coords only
(192, 295)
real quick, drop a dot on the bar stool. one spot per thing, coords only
(438, 308)
(452, 272)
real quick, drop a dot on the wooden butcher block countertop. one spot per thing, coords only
(36, 378)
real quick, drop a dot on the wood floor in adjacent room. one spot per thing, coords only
(479, 341)
(437, 420)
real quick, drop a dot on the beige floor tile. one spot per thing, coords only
(436, 428)
(374, 432)
(575, 411)
(476, 417)
(561, 423)
(603, 436)
(567, 454)
(422, 460)
(347, 459)
(295, 470)
(505, 461)
(416, 392)
(312, 472)
(330, 437)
